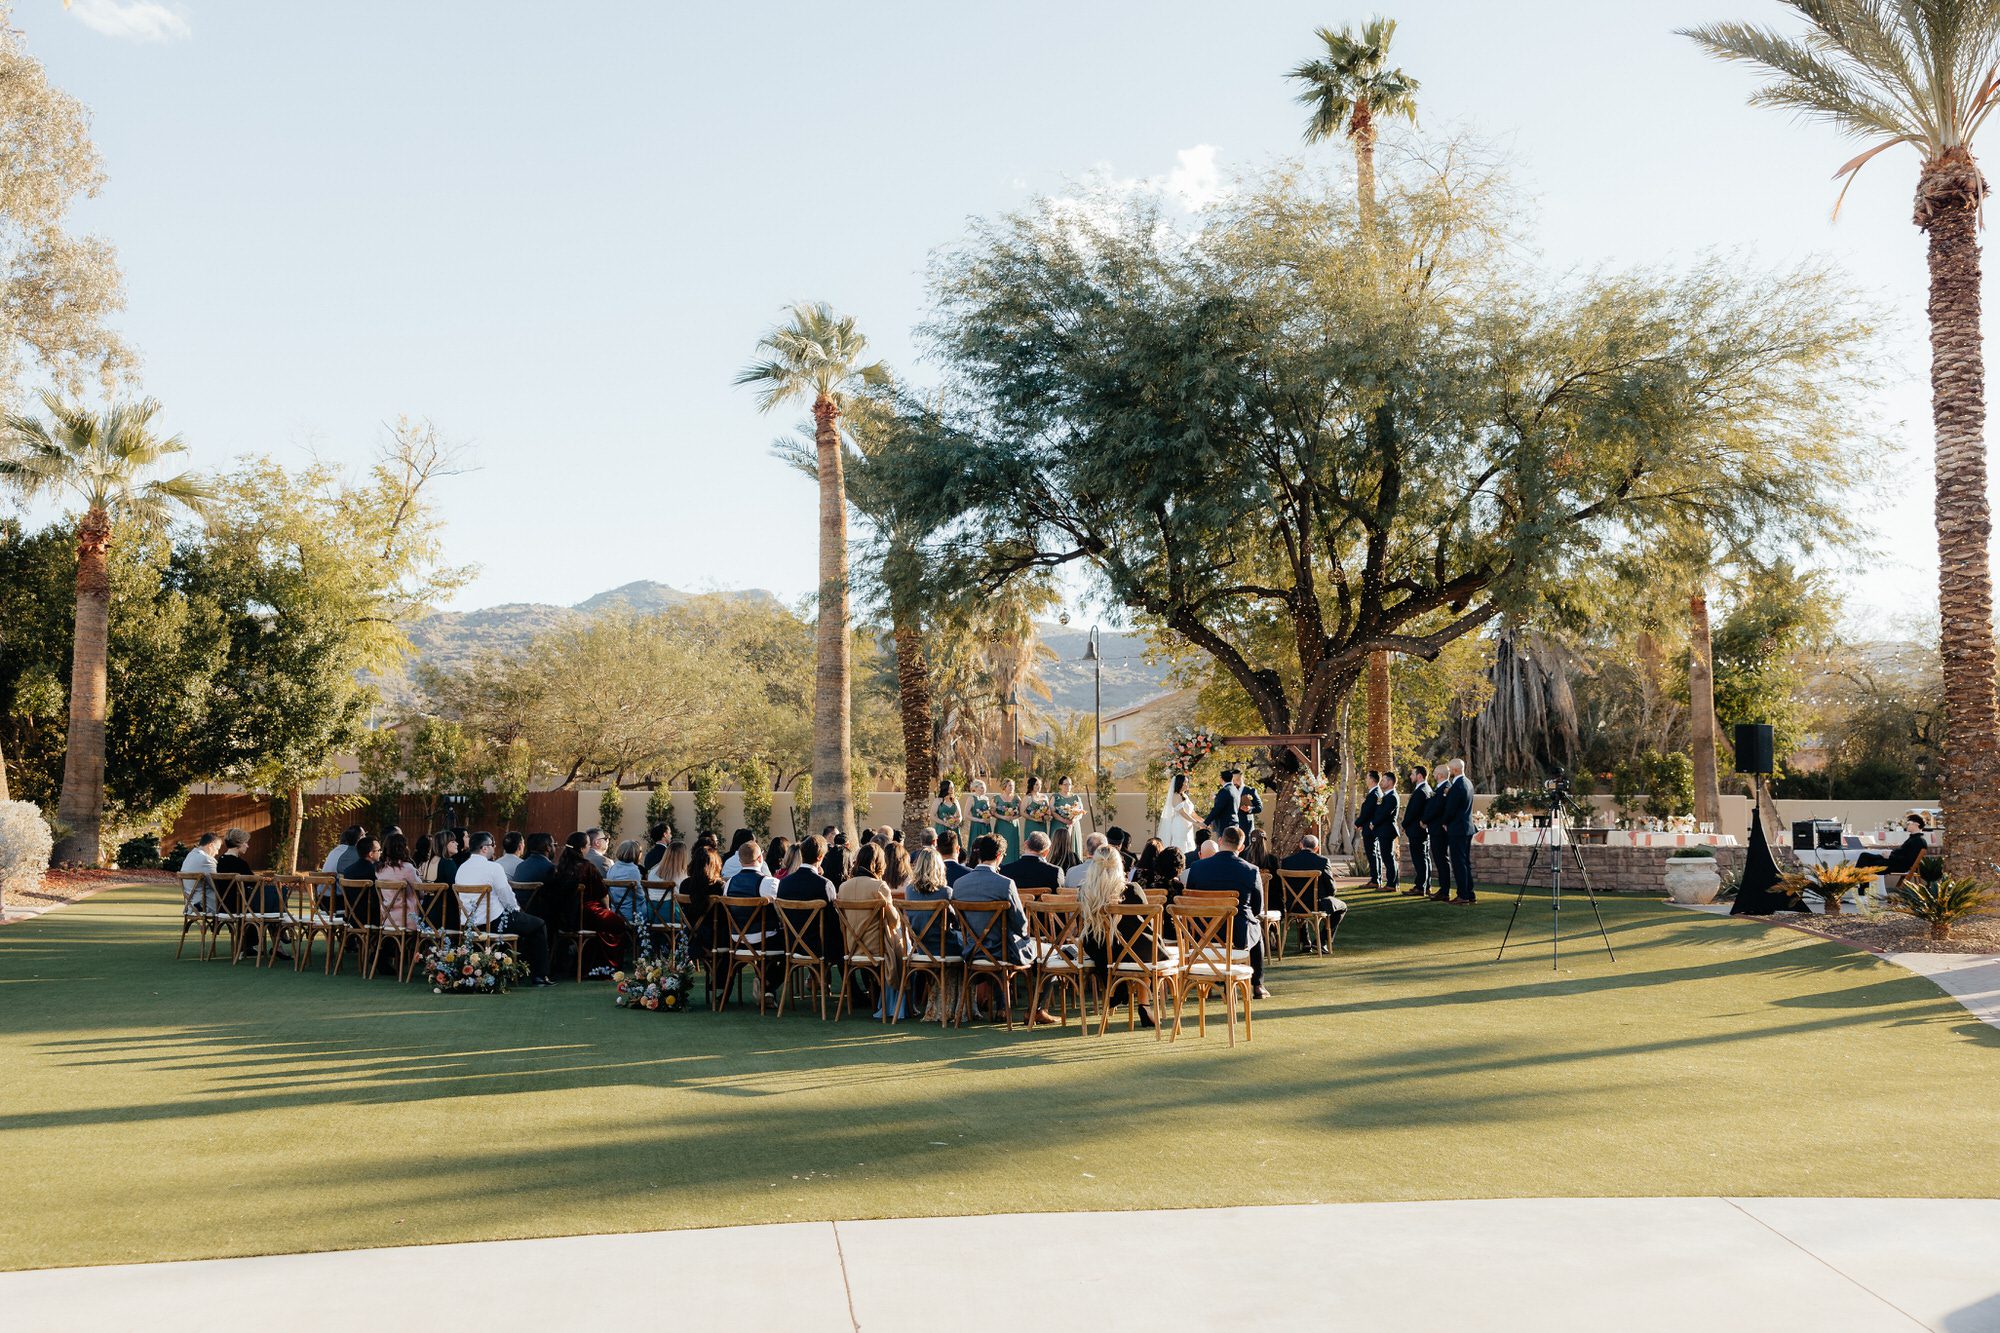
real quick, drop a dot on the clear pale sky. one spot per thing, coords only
(558, 229)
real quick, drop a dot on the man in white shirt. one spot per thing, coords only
(499, 909)
(200, 860)
(1073, 877)
(342, 850)
(509, 859)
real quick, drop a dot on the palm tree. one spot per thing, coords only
(1922, 74)
(815, 356)
(102, 461)
(1349, 88)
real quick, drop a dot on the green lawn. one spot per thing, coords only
(153, 1109)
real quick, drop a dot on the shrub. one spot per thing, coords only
(707, 786)
(25, 844)
(1671, 784)
(1834, 881)
(660, 810)
(140, 853)
(1942, 903)
(1930, 868)
(1156, 793)
(757, 798)
(1691, 854)
(858, 789)
(611, 812)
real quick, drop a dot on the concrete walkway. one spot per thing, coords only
(1828, 1265)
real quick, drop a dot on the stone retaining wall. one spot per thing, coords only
(1611, 869)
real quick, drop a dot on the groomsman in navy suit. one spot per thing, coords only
(1386, 807)
(1364, 825)
(1416, 835)
(1458, 829)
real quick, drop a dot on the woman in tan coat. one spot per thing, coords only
(871, 925)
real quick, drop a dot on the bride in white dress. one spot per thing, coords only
(1177, 818)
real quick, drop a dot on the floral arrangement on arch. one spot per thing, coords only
(1312, 794)
(661, 985)
(1188, 746)
(481, 968)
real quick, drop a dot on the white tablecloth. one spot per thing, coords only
(1529, 837)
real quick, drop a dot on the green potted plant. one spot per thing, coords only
(1691, 875)
(1941, 903)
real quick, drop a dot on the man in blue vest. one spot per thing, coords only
(1227, 870)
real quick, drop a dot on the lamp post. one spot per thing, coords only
(1013, 703)
(1096, 659)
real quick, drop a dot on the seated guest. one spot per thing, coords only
(947, 847)
(1169, 870)
(1308, 857)
(806, 883)
(1904, 859)
(395, 876)
(778, 858)
(1141, 872)
(536, 867)
(446, 852)
(701, 886)
(868, 930)
(510, 852)
(658, 843)
(1033, 870)
(1103, 887)
(933, 934)
(671, 867)
(927, 838)
(578, 883)
(626, 881)
(1002, 934)
(1208, 848)
(231, 860)
(557, 902)
(597, 844)
(1119, 838)
(424, 858)
(1226, 869)
(498, 910)
(895, 865)
(1073, 877)
(751, 880)
(200, 860)
(837, 863)
(343, 850)
(258, 897)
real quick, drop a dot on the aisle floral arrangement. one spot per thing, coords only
(655, 983)
(483, 968)
(1188, 746)
(1313, 795)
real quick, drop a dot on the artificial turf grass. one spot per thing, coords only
(161, 1110)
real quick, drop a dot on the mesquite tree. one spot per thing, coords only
(1195, 417)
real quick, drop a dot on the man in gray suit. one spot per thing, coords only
(1005, 934)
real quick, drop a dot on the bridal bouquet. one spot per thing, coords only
(1188, 746)
(661, 985)
(481, 968)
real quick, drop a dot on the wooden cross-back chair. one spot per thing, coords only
(982, 928)
(707, 941)
(935, 949)
(1127, 966)
(1299, 895)
(1210, 961)
(658, 924)
(803, 923)
(438, 915)
(475, 917)
(754, 940)
(361, 923)
(314, 904)
(401, 923)
(861, 921)
(1055, 929)
(201, 912)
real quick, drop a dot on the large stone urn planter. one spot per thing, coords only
(1692, 879)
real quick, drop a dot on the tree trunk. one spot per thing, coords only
(913, 687)
(833, 727)
(81, 807)
(1701, 710)
(1947, 209)
(3, 777)
(1381, 756)
(1361, 128)
(295, 831)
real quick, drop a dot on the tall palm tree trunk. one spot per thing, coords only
(1947, 209)
(1701, 710)
(295, 830)
(833, 724)
(1381, 756)
(81, 806)
(913, 685)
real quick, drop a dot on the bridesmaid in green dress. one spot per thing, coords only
(1007, 823)
(1035, 809)
(947, 814)
(1068, 810)
(981, 815)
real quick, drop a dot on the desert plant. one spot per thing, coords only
(25, 844)
(707, 787)
(1931, 869)
(660, 810)
(1833, 882)
(757, 800)
(1941, 903)
(611, 811)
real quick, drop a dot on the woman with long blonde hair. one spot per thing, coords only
(1104, 887)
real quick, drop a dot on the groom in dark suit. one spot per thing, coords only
(1227, 810)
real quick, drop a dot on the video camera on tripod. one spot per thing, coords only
(1559, 796)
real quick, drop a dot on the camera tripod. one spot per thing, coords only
(1559, 805)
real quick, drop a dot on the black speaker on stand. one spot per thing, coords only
(1754, 749)
(1757, 893)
